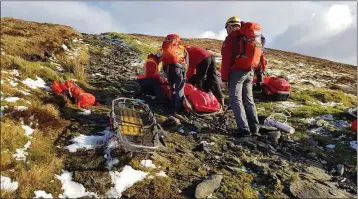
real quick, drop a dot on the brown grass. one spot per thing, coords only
(33, 41)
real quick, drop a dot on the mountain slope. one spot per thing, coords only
(71, 148)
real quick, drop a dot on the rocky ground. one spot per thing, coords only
(73, 153)
(201, 158)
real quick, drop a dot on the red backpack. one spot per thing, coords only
(173, 52)
(250, 46)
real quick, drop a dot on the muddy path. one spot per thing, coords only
(271, 165)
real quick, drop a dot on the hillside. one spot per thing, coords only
(51, 148)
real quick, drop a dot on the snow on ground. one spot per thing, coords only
(162, 174)
(148, 164)
(20, 108)
(2, 109)
(14, 72)
(70, 188)
(21, 153)
(85, 112)
(24, 92)
(353, 144)
(28, 130)
(274, 72)
(112, 144)
(331, 104)
(314, 83)
(42, 194)
(38, 83)
(89, 142)
(11, 99)
(12, 83)
(330, 146)
(7, 185)
(64, 47)
(124, 180)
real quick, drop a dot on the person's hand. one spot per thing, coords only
(224, 84)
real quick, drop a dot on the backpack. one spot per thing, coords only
(250, 46)
(173, 52)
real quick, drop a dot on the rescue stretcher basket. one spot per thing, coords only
(135, 125)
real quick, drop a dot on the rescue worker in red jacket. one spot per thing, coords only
(239, 81)
(149, 78)
(206, 78)
(175, 59)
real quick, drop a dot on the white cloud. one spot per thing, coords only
(79, 15)
(220, 35)
(330, 34)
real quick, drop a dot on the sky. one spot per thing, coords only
(324, 29)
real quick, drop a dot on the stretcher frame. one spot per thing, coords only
(145, 139)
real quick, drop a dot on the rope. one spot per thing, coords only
(278, 114)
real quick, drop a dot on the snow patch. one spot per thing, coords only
(12, 83)
(7, 185)
(330, 146)
(112, 144)
(123, 180)
(42, 194)
(85, 112)
(38, 83)
(14, 72)
(28, 130)
(162, 174)
(20, 108)
(88, 142)
(353, 144)
(288, 104)
(64, 47)
(72, 189)
(148, 164)
(11, 99)
(21, 153)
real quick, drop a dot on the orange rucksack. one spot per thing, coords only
(250, 46)
(58, 87)
(173, 52)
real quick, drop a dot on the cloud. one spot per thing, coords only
(220, 35)
(79, 15)
(330, 33)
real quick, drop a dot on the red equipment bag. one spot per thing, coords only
(277, 87)
(354, 126)
(199, 101)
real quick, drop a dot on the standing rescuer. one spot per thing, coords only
(206, 78)
(175, 59)
(241, 52)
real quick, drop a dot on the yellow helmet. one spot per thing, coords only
(232, 21)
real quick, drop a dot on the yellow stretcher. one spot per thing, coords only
(131, 122)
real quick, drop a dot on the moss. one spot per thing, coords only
(237, 186)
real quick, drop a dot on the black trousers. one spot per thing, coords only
(207, 77)
(151, 86)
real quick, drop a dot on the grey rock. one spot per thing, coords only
(340, 169)
(258, 167)
(312, 142)
(316, 173)
(274, 136)
(312, 155)
(208, 186)
(233, 161)
(306, 189)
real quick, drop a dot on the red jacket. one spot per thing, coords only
(228, 53)
(196, 55)
(150, 68)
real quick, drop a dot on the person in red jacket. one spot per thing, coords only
(149, 78)
(239, 81)
(206, 78)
